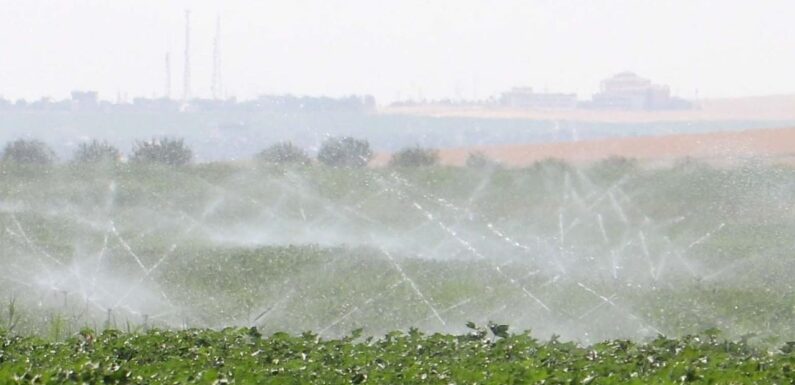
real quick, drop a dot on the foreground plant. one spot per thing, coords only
(243, 356)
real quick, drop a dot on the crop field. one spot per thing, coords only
(479, 357)
(191, 263)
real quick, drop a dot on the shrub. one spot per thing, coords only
(345, 152)
(96, 152)
(167, 151)
(615, 161)
(690, 164)
(415, 157)
(479, 160)
(23, 151)
(284, 153)
(552, 165)
(615, 166)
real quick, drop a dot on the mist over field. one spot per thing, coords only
(593, 253)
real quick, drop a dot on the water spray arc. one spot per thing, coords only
(563, 229)
(574, 256)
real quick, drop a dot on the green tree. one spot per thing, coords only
(615, 166)
(415, 157)
(552, 166)
(167, 151)
(24, 151)
(345, 152)
(479, 160)
(96, 151)
(284, 153)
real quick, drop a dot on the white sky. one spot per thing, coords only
(391, 48)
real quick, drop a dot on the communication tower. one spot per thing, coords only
(186, 77)
(167, 89)
(217, 87)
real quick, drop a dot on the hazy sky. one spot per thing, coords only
(397, 48)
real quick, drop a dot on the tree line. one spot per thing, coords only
(341, 152)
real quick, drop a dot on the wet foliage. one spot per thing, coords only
(284, 153)
(28, 152)
(479, 160)
(96, 151)
(479, 357)
(164, 151)
(415, 157)
(346, 152)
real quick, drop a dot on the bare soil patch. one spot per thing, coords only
(773, 145)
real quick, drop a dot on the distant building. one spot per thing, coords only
(524, 97)
(84, 101)
(628, 91)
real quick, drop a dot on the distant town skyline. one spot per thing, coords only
(394, 50)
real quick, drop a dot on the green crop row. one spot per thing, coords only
(483, 356)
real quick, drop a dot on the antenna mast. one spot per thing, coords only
(217, 80)
(167, 90)
(186, 78)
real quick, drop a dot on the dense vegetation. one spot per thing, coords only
(345, 152)
(167, 151)
(96, 151)
(243, 356)
(24, 151)
(334, 152)
(414, 157)
(284, 153)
